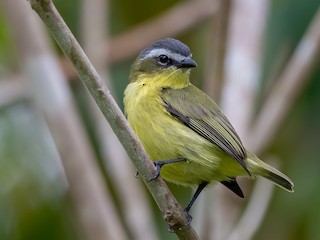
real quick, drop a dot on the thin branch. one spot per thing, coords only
(242, 66)
(286, 90)
(50, 93)
(214, 69)
(171, 210)
(184, 16)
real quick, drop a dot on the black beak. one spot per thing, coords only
(187, 63)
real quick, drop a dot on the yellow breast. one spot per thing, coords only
(146, 115)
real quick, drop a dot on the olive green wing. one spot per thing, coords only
(200, 113)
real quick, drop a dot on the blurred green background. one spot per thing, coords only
(34, 201)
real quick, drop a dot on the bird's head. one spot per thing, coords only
(166, 62)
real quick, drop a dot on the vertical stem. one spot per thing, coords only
(214, 71)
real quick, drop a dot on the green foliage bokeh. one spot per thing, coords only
(34, 202)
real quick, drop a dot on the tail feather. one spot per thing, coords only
(257, 167)
(233, 186)
(279, 179)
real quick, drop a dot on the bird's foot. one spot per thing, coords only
(160, 164)
(188, 216)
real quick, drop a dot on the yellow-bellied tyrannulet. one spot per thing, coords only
(175, 120)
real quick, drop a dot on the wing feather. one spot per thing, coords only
(203, 116)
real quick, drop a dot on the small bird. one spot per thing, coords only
(182, 129)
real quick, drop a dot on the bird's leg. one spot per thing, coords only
(193, 199)
(159, 165)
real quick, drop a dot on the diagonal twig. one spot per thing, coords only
(171, 210)
(46, 86)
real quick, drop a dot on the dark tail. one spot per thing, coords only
(257, 167)
(279, 178)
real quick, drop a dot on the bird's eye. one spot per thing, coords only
(163, 60)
